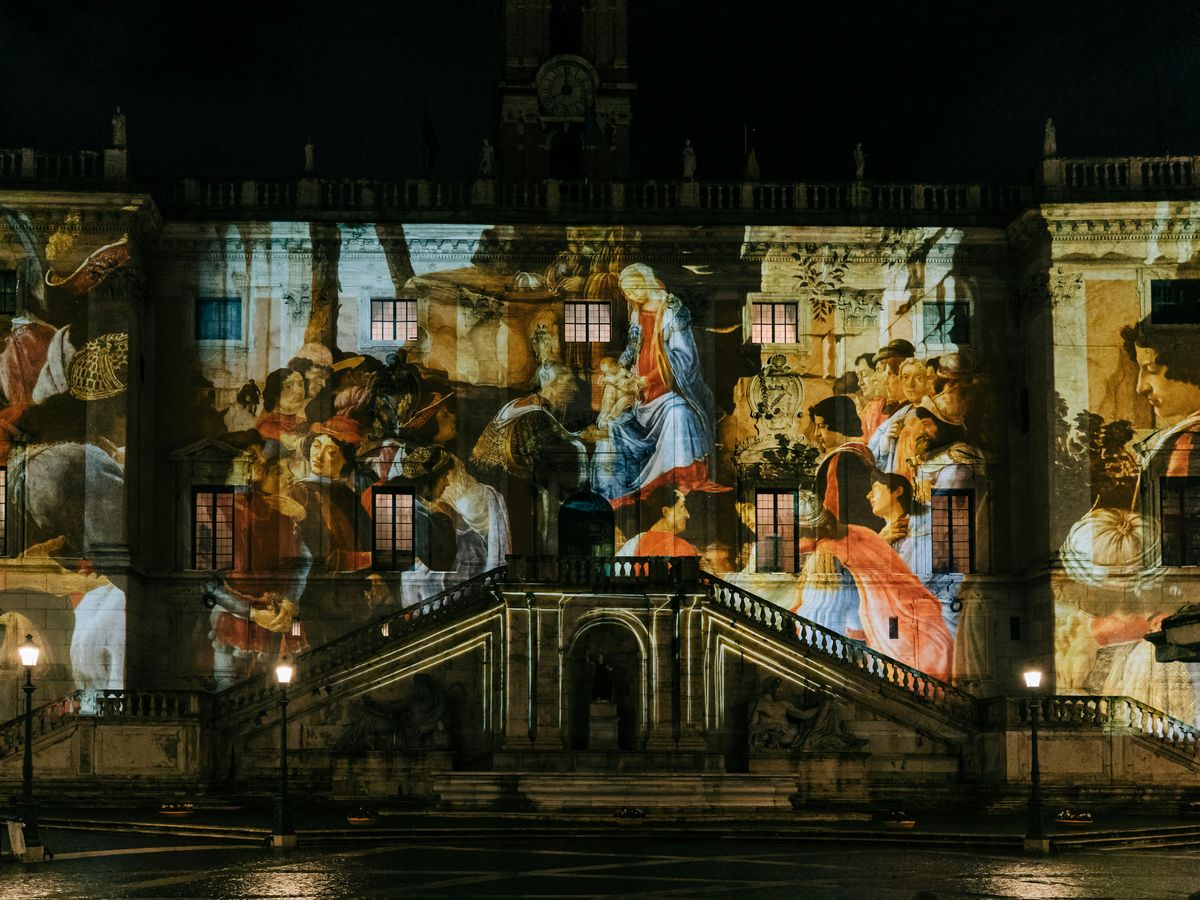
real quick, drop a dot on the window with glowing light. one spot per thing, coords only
(213, 528)
(587, 322)
(773, 323)
(953, 531)
(392, 547)
(776, 548)
(394, 320)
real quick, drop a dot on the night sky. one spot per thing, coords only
(935, 91)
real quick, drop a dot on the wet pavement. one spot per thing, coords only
(119, 864)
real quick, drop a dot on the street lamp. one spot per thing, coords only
(283, 835)
(1035, 836)
(29, 653)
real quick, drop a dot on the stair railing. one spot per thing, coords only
(841, 650)
(106, 704)
(1066, 711)
(367, 640)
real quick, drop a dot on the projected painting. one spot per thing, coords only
(394, 409)
(1126, 422)
(65, 289)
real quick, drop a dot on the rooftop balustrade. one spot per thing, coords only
(1058, 179)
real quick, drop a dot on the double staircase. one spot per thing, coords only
(926, 737)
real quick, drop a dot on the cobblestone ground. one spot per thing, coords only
(137, 866)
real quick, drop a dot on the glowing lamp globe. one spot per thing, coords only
(29, 652)
(284, 671)
(1033, 679)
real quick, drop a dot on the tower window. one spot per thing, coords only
(946, 323)
(775, 531)
(953, 531)
(1175, 302)
(212, 528)
(394, 320)
(587, 322)
(8, 292)
(1180, 521)
(773, 323)
(218, 319)
(392, 537)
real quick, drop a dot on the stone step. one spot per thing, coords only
(561, 792)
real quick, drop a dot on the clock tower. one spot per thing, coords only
(565, 95)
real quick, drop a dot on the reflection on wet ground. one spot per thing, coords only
(118, 866)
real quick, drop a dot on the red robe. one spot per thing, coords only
(886, 590)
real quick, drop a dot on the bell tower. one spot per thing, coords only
(565, 94)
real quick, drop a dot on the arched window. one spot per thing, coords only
(585, 526)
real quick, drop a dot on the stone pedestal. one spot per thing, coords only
(831, 777)
(386, 773)
(602, 725)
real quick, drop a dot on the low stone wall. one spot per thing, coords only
(94, 751)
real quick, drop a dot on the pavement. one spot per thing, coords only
(325, 823)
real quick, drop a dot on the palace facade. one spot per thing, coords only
(778, 483)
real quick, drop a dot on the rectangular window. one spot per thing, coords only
(392, 541)
(394, 320)
(953, 531)
(1180, 521)
(775, 531)
(1014, 628)
(8, 292)
(587, 322)
(218, 319)
(212, 528)
(773, 323)
(1175, 302)
(946, 323)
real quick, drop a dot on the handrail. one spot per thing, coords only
(1069, 710)
(841, 650)
(106, 704)
(364, 641)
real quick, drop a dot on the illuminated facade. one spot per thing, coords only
(949, 427)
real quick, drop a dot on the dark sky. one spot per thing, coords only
(935, 91)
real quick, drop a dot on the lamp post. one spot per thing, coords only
(1035, 836)
(29, 653)
(283, 835)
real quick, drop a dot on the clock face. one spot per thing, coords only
(565, 87)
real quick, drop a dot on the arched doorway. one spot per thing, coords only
(624, 662)
(585, 526)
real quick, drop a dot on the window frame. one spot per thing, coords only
(15, 293)
(760, 538)
(412, 329)
(1181, 482)
(774, 304)
(1163, 284)
(217, 490)
(939, 338)
(587, 306)
(231, 302)
(972, 553)
(399, 559)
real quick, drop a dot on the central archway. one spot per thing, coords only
(625, 672)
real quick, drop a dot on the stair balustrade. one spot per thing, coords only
(840, 650)
(364, 642)
(1066, 711)
(106, 704)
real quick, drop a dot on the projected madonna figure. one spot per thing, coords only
(669, 437)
